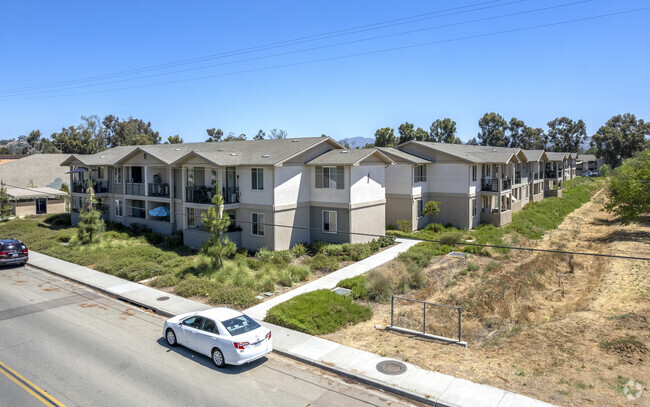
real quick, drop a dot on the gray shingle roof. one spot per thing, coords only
(587, 157)
(398, 156)
(553, 156)
(29, 193)
(534, 155)
(471, 153)
(227, 153)
(348, 157)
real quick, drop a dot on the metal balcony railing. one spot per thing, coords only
(490, 184)
(159, 190)
(133, 188)
(100, 187)
(506, 183)
(230, 195)
(518, 178)
(199, 194)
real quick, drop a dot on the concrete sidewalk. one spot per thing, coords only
(416, 383)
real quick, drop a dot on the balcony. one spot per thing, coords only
(518, 178)
(551, 174)
(159, 190)
(490, 184)
(100, 187)
(134, 188)
(506, 184)
(230, 195)
(199, 194)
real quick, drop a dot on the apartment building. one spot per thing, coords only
(588, 162)
(277, 192)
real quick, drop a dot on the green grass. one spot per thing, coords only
(318, 312)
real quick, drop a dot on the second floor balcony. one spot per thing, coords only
(100, 186)
(518, 178)
(135, 188)
(159, 190)
(203, 194)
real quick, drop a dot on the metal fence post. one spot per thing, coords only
(392, 302)
(424, 320)
(458, 324)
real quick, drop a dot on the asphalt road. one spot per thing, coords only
(64, 343)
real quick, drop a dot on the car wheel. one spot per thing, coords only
(217, 358)
(170, 335)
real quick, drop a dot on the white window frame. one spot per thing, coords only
(419, 173)
(257, 222)
(329, 222)
(117, 175)
(329, 180)
(118, 208)
(257, 178)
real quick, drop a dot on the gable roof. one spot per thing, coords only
(471, 153)
(349, 157)
(535, 155)
(225, 153)
(587, 157)
(30, 193)
(556, 156)
(399, 155)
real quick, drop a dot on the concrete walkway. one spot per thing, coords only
(329, 281)
(416, 383)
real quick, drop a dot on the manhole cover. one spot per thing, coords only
(391, 367)
(162, 298)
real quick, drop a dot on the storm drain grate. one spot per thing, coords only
(391, 367)
(165, 298)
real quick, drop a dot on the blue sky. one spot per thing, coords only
(482, 56)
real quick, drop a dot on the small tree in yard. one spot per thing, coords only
(217, 222)
(5, 207)
(90, 226)
(431, 208)
(628, 188)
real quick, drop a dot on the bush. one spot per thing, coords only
(317, 247)
(299, 250)
(386, 241)
(193, 286)
(420, 254)
(59, 220)
(434, 227)
(298, 273)
(404, 226)
(357, 251)
(324, 263)
(239, 297)
(379, 287)
(451, 237)
(284, 278)
(168, 280)
(264, 254)
(153, 238)
(333, 250)
(357, 286)
(138, 229)
(318, 312)
(413, 278)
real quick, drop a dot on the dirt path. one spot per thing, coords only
(569, 330)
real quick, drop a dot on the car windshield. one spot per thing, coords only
(240, 325)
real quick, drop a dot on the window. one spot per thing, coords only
(419, 173)
(240, 325)
(474, 207)
(329, 221)
(210, 326)
(527, 188)
(118, 207)
(117, 175)
(257, 224)
(329, 177)
(190, 177)
(194, 322)
(474, 172)
(100, 172)
(190, 217)
(213, 176)
(420, 207)
(257, 178)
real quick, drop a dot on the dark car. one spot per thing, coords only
(13, 252)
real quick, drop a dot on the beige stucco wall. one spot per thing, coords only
(54, 206)
(24, 208)
(454, 209)
(250, 241)
(398, 207)
(368, 220)
(286, 237)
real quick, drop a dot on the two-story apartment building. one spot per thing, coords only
(588, 162)
(277, 192)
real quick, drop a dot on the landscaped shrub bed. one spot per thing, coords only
(318, 312)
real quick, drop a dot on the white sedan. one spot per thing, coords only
(226, 335)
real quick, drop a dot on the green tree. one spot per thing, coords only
(34, 140)
(522, 136)
(90, 226)
(231, 137)
(406, 132)
(565, 135)
(216, 222)
(260, 135)
(421, 134)
(175, 139)
(620, 138)
(214, 134)
(70, 140)
(443, 131)
(472, 142)
(278, 134)
(4, 150)
(130, 132)
(628, 192)
(5, 206)
(385, 137)
(431, 209)
(493, 130)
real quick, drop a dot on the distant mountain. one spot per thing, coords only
(355, 142)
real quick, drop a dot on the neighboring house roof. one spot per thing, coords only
(225, 153)
(553, 156)
(349, 157)
(535, 155)
(40, 170)
(472, 153)
(403, 156)
(587, 157)
(31, 193)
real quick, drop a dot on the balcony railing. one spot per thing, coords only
(133, 188)
(199, 194)
(100, 187)
(138, 213)
(506, 183)
(161, 190)
(551, 174)
(518, 178)
(490, 184)
(230, 195)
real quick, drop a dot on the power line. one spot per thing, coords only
(385, 50)
(314, 37)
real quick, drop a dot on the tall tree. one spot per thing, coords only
(130, 132)
(406, 132)
(443, 131)
(214, 134)
(260, 135)
(472, 142)
(71, 140)
(34, 140)
(90, 226)
(93, 125)
(629, 196)
(385, 137)
(522, 136)
(231, 137)
(5, 206)
(493, 130)
(216, 222)
(565, 135)
(421, 134)
(175, 139)
(620, 138)
(278, 134)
